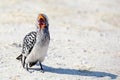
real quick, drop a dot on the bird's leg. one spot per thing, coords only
(23, 61)
(41, 68)
(27, 66)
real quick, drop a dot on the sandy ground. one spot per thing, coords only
(85, 39)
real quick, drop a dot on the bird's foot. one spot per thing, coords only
(41, 70)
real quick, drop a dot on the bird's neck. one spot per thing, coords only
(42, 33)
(42, 37)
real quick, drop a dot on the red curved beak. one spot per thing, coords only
(41, 21)
(42, 24)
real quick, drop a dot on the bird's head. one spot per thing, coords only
(42, 22)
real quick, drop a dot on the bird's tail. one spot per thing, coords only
(19, 57)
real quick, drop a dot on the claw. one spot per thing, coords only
(41, 70)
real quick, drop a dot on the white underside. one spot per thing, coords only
(37, 54)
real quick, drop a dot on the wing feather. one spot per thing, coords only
(28, 44)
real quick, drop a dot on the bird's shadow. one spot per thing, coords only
(76, 72)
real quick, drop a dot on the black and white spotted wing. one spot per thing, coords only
(29, 42)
